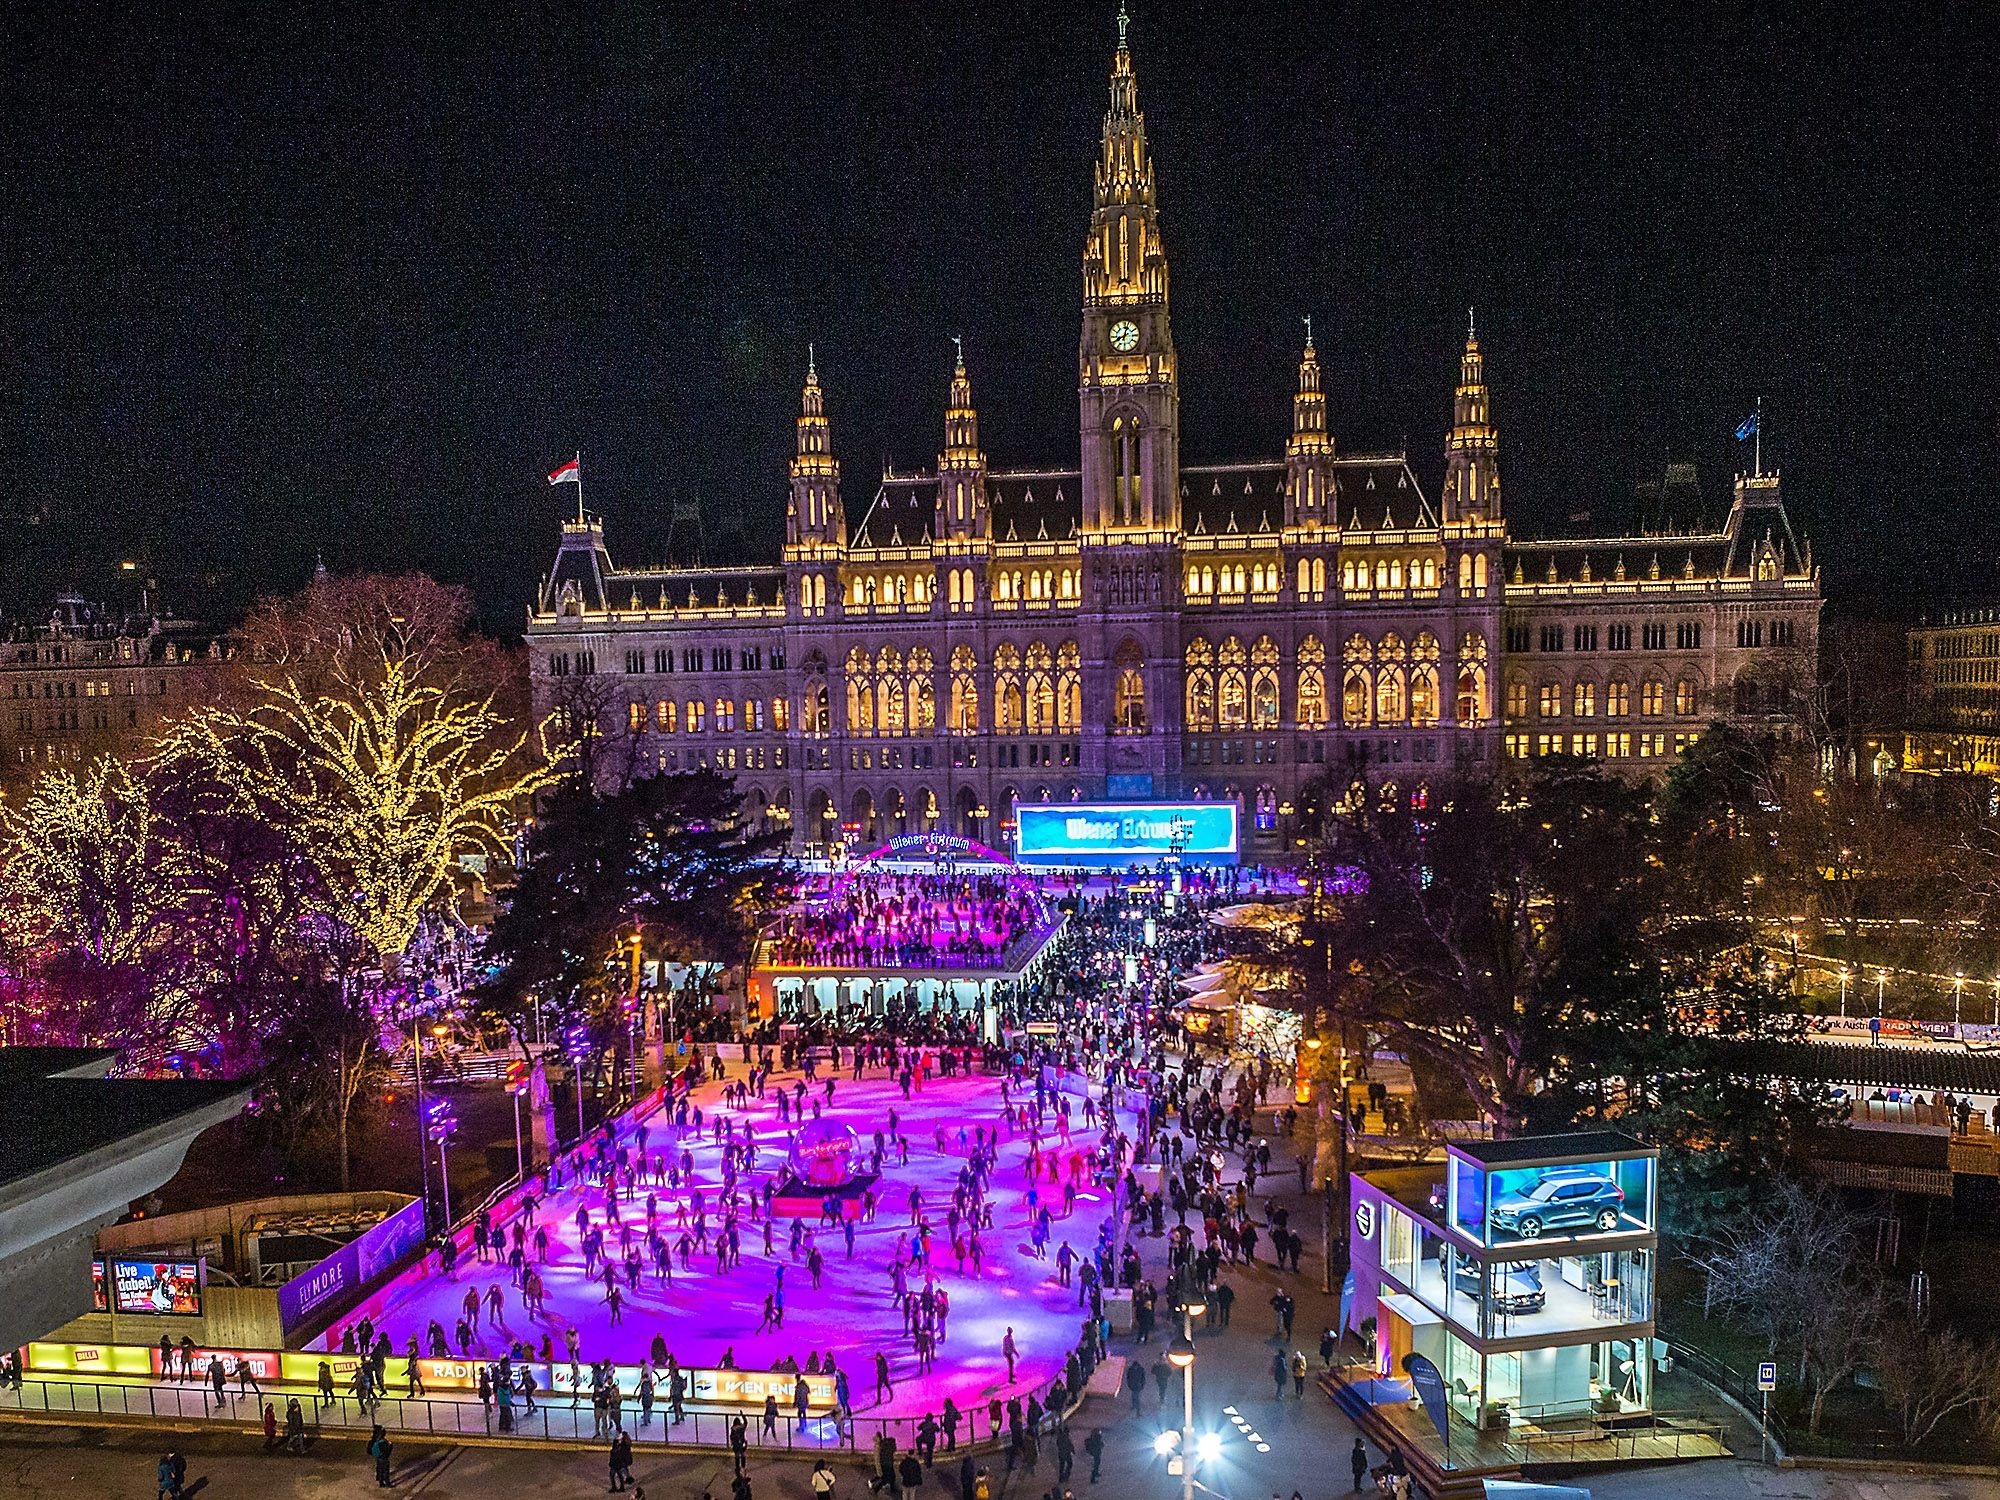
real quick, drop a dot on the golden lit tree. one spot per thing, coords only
(374, 734)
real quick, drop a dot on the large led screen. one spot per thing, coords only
(1124, 832)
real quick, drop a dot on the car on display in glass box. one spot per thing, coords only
(1579, 1199)
(1517, 1284)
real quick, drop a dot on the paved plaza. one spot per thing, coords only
(852, 1314)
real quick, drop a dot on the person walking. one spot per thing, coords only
(1299, 1374)
(1093, 1445)
(380, 1449)
(1278, 1375)
(295, 1426)
(1358, 1462)
(822, 1480)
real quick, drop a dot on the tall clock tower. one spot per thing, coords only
(1127, 381)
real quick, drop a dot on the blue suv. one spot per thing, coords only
(1583, 1199)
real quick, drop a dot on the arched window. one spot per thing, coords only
(1685, 697)
(1305, 576)
(1007, 714)
(891, 716)
(1128, 702)
(1424, 679)
(1465, 572)
(1200, 685)
(1264, 684)
(964, 691)
(1652, 698)
(1319, 575)
(1479, 574)
(951, 586)
(1471, 702)
(1041, 691)
(923, 693)
(667, 716)
(1312, 684)
(1232, 686)
(1069, 687)
(694, 713)
(1124, 472)
(1357, 681)
(860, 693)
(1391, 705)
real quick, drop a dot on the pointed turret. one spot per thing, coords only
(815, 515)
(961, 500)
(1472, 452)
(1126, 372)
(1309, 450)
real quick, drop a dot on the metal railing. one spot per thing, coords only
(556, 1420)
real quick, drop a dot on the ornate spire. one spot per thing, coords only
(961, 421)
(961, 498)
(816, 513)
(1123, 258)
(1309, 449)
(1472, 452)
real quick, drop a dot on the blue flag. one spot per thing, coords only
(1747, 428)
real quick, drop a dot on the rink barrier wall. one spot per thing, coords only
(555, 1421)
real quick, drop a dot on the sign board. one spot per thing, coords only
(1364, 1218)
(336, 1281)
(157, 1286)
(1767, 1376)
(1122, 833)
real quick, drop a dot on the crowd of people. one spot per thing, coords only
(878, 919)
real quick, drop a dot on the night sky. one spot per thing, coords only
(282, 280)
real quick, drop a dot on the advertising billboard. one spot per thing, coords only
(336, 1281)
(156, 1286)
(1124, 833)
(100, 1294)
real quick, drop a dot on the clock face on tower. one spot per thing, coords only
(1124, 336)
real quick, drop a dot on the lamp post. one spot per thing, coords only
(417, 1064)
(1957, 1000)
(1845, 976)
(443, 1125)
(1881, 978)
(578, 1040)
(1180, 1354)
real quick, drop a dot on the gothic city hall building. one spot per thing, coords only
(1128, 625)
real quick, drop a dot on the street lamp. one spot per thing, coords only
(578, 1047)
(1957, 996)
(1881, 978)
(1180, 1354)
(442, 1126)
(1845, 975)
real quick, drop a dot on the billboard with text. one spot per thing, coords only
(1124, 833)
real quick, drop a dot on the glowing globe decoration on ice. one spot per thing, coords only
(823, 1153)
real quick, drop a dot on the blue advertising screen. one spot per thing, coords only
(1119, 833)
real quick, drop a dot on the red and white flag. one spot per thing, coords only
(569, 473)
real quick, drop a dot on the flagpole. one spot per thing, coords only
(1759, 433)
(579, 489)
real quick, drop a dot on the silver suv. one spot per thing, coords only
(1577, 1199)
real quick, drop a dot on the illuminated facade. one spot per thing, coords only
(1311, 625)
(1954, 694)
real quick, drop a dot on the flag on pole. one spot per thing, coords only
(1747, 428)
(569, 473)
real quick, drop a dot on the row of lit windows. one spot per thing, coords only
(92, 688)
(699, 659)
(1583, 699)
(1619, 745)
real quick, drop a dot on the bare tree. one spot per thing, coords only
(1929, 1374)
